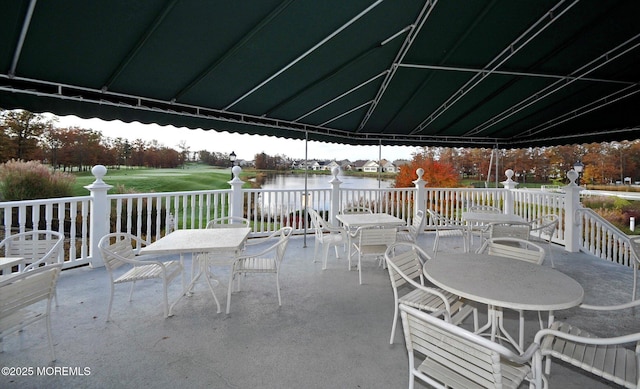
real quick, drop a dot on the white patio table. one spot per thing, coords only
(223, 241)
(351, 221)
(483, 218)
(355, 220)
(6, 263)
(503, 282)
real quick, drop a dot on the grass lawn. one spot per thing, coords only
(145, 180)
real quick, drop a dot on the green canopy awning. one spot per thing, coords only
(394, 72)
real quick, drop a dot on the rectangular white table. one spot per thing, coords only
(503, 282)
(6, 263)
(225, 242)
(355, 220)
(485, 218)
(352, 221)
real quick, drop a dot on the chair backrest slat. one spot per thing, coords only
(122, 247)
(356, 210)
(229, 222)
(377, 236)
(514, 248)
(37, 247)
(467, 363)
(28, 288)
(500, 230)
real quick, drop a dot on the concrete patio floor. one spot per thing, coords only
(329, 332)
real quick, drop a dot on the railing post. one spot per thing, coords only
(509, 185)
(237, 203)
(334, 207)
(419, 203)
(572, 204)
(100, 213)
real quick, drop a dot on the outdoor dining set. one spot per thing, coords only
(437, 294)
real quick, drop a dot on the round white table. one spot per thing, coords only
(503, 282)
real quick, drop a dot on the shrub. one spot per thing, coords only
(21, 180)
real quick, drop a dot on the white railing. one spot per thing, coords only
(451, 202)
(602, 239)
(152, 215)
(532, 204)
(394, 201)
(68, 215)
(268, 210)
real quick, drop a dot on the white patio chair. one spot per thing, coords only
(356, 209)
(514, 248)
(444, 355)
(22, 297)
(413, 231)
(518, 249)
(266, 261)
(224, 222)
(326, 236)
(404, 262)
(543, 229)
(371, 241)
(446, 227)
(509, 230)
(482, 229)
(117, 250)
(37, 247)
(608, 357)
(484, 209)
(228, 222)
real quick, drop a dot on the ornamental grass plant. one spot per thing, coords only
(20, 180)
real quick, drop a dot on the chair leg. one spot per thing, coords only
(131, 291)
(278, 288)
(315, 249)
(49, 336)
(393, 326)
(110, 303)
(360, 267)
(325, 254)
(229, 288)
(349, 256)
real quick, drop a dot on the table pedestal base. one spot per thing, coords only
(495, 327)
(203, 270)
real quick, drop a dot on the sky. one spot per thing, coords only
(244, 146)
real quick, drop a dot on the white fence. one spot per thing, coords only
(603, 239)
(68, 215)
(152, 215)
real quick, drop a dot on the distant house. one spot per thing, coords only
(388, 167)
(370, 167)
(318, 165)
(359, 165)
(345, 165)
(331, 165)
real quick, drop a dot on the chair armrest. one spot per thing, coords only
(139, 259)
(630, 304)
(617, 340)
(427, 289)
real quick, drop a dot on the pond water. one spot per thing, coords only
(321, 181)
(282, 203)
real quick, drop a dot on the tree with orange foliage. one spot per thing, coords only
(437, 174)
